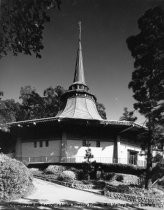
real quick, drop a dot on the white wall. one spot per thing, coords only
(52, 151)
(76, 152)
(123, 153)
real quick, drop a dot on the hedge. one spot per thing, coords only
(140, 200)
(122, 168)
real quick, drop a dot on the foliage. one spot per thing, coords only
(81, 175)
(119, 178)
(15, 179)
(101, 110)
(124, 168)
(67, 176)
(9, 110)
(147, 83)
(54, 169)
(35, 171)
(109, 176)
(157, 158)
(137, 199)
(22, 24)
(128, 179)
(128, 115)
(52, 97)
(88, 155)
(88, 166)
(33, 105)
(120, 188)
(157, 172)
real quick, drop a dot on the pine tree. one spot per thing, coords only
(128, 115)
(147, 48)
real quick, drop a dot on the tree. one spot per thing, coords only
(88, 166)
(35, 106)
(9, 110)
(22, 24)
(101, 110)
(147, 48)
(32, 103)
(52, 98)
(128, 115)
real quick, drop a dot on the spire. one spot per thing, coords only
(79, 69)
(79, 102)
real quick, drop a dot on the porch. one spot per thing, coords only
(79, 159)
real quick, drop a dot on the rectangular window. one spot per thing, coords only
(35, 144)
(97, 143)
(132, 157)
(84, 143)
(47, 143)
(41, 144)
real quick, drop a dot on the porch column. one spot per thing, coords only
(63, 151)
(116, 149)
(18, 148)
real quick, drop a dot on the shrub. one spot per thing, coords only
(109, 176)
(119, 188)
(67, 176)
(15, 178)
(139, 200)
(157, 172)
(54, 169)
(123, 168)
(35, 171)
(81, 175)
(119, 178)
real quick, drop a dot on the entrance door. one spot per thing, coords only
(132, 157)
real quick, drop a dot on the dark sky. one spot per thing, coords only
(108, 65)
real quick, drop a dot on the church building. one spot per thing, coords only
(65, 137)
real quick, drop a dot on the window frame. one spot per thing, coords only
(47, 143)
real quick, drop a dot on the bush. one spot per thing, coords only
(67, 176)
(15, 178)
(139, 200)
(119, 178)
(109, 176)
(54, 169)
(35, 171)
(123, 168)
(157, 172)
(81, 175)
(119, 188)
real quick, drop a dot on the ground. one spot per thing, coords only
(47, 193)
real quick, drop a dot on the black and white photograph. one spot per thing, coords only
(81, 104)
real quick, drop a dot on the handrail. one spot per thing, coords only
(80, 159)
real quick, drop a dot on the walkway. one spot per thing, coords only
(47, 193)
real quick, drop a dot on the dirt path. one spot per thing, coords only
(46, 192)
